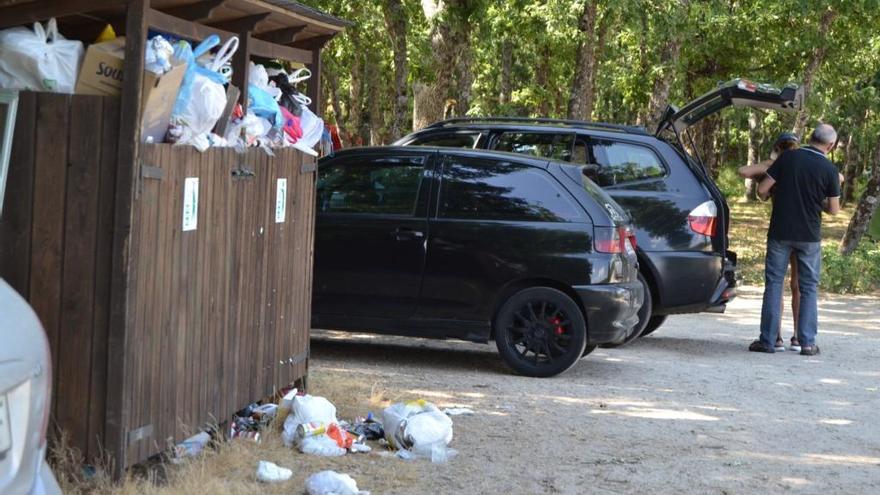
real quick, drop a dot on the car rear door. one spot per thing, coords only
(371, 233)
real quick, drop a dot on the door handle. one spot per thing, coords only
(402, 234)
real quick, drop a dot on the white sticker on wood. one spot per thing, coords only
(281, 201)
(190, 203)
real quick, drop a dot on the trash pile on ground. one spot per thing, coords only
(188, 95)
(407, 430)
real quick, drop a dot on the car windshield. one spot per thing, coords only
(615, 211)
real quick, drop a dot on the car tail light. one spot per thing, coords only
(614, 239)
(704, 218)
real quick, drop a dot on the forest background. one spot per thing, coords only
(407, 63)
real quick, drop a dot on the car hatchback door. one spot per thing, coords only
(370, 237)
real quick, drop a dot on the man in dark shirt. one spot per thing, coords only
(806, 184)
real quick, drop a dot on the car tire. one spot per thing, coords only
(645, 314)
(588, 349)
(653, 324)
(540, 332)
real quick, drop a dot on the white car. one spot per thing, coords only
(25, 396)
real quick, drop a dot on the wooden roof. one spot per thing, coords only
(281, 22)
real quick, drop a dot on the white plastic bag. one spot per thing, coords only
(332, 483)
(158, 54)
(418, 429)
(258, 77)
(321, 445)
(39, 60)
(207, 99)
(307, 409)
(269, 472)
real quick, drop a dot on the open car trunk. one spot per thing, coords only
(736, 93)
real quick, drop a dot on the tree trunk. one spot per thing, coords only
(355, 102)
(662, 84)
(542, 80)
(581, 98)
(331, 89)
(505, 84)
(860, 221)
(849, 173)
(429, 98)
(396, 24)
(754, 142)
(376, 122)
(465, 73)
(816, 60)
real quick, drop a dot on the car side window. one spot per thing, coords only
(373, 185)
(466, 140)
(625, 162)
(482, 189)
(541, 144)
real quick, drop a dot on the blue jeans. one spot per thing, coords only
(809, 262)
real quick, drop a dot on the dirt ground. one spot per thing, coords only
(687, 410)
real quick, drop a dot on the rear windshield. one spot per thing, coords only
(617, 214)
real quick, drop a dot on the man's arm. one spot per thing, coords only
(831, 205)
(765, 186)
(753, 171)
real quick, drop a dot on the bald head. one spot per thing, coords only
(824, 137)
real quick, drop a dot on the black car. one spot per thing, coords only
(680, 216)
(474, 245)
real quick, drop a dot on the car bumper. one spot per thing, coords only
(612, 310)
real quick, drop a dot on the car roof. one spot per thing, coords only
(498, 155)
(638, 134)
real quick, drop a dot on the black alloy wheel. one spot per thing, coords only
(540, 332)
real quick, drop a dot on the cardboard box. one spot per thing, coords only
(102, 72)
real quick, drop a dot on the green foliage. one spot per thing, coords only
(858, 273)
(731, 184)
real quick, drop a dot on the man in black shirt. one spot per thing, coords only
(805, 183)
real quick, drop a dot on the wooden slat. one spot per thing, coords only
(78, 277)
(15, 222)
(47, 234)
(244, 24)
(284, 36)
(314, 86)
(44, 9)
(189, 30)
(123, 276)
(198, 11)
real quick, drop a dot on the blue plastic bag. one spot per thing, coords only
(185, 53)
(263, 105)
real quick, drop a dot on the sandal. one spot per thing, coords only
(757, 346)
(795, 345)
(809, 350)
(780, 345)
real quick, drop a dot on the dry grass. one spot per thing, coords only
(230, 468)
(748, 236)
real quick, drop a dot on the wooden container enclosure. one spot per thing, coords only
(175, 286)
(219, 315)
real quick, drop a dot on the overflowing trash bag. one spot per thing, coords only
(332, 483)
(417, 429)
(39, 59)
(312, 426)
(202, 96)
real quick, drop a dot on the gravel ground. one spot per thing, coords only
(687, 410)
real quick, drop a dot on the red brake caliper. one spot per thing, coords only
(559, 328)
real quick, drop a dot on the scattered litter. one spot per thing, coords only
(418, 429)
(250, 421)
(332, 483)
(368, 427)
(190, 447)
(269, 472)
(458, 411)
(287, 400)
(320, 445)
